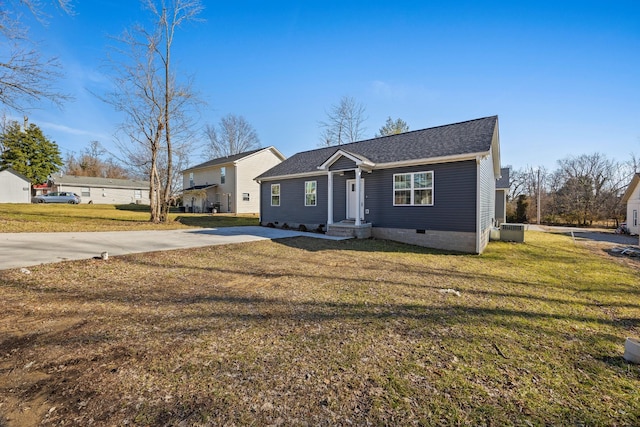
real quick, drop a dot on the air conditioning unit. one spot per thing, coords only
(512, 232)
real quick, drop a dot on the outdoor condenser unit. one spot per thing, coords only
(512, 232)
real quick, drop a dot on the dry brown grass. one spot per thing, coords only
(310, 332)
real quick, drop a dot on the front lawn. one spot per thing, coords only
(18, 218)
(311, 332)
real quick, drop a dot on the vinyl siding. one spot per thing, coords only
(487, 201)
(342, 163)
(454, 199)
(633, 204)
(107, 195)
(453, 210)
(292, 209)
(501, 206)
(245, 172)
(14, 189)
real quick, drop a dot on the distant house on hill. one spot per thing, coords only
(14, 187)
(106, 191)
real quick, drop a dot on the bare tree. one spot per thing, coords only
(233, 135)
(344, 123)
(588, 187)
(156, 105)
(92, 161)
(26, 77)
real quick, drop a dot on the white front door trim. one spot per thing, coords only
(352, 191)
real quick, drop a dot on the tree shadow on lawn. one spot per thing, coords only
(135, 319)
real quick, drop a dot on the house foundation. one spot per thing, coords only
(445, 240)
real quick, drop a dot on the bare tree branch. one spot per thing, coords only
(27, 78)
(158, 124)
(344, 123)
(233, 135)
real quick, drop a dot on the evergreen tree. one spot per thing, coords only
(29, 152)
(392, 127)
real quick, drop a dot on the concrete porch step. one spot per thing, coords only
(362, 231)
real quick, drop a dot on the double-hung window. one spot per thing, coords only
(310, 198)
(413, 189)
(275, 194)
(223, 175)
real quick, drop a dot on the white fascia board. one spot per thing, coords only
(431, 160)
(295, 175)
(341, 153)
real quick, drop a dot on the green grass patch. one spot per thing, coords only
(18, 218)
(304, 331)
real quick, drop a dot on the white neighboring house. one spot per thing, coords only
(14, 187)
(227, 184)
(105, 191)
(632, 198)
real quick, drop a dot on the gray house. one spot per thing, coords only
(502, 190)
(434, 187)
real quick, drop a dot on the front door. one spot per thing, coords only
(352, 199)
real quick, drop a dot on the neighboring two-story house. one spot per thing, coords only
(226, 184)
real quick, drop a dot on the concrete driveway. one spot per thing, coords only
(598, 235)
(28, 249)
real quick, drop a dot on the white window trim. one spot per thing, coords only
(412, 189)
(247, 198)
(315, 193)
(279, 194)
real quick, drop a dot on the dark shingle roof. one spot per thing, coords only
(92, 181)
(503, 182)
(223, 160)
(473, 136)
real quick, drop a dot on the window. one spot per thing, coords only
(635, 218)
(223, 175)
(275, 194)
(413, 189)
(245, 197)
(310, 193)
(137, 194)
(191, 181)
(86, 192)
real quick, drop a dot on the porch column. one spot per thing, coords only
(329, 198)
(358, 190)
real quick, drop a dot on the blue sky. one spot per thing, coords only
(561, 75)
